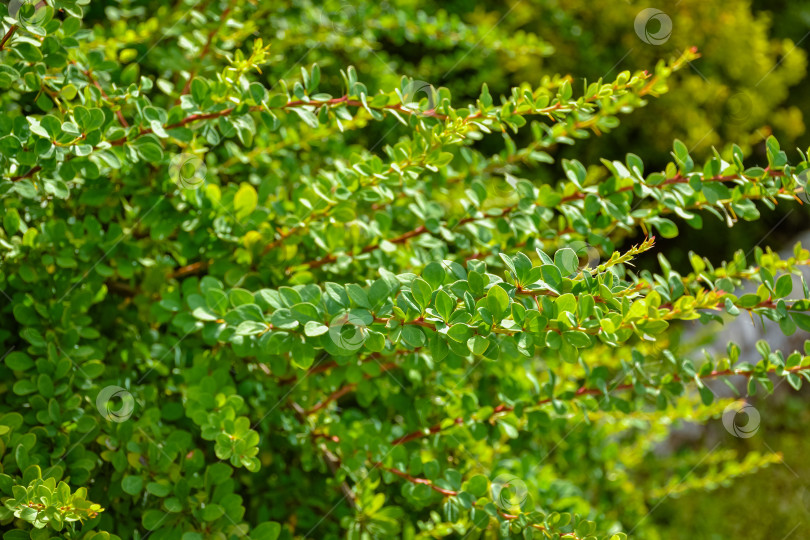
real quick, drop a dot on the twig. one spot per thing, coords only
(8, 36)
(332, 461)
(206, 49)
(93, 80)
(582, 391)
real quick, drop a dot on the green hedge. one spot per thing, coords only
(248, 295)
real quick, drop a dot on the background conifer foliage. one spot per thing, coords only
(363, 270)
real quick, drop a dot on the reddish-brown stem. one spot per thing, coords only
(227, 112)
(421, 229)
(332, 438)
(326, 366)
(8, 36)
(31, 172)
(189, 269)
(677, 179)
(401, 239)
(432, 113)
(720, 303)
(582, 391)
(545, 292)
(398, 107)
(206, 48)
(14, 27)
(414, 480)
(416, 322)
(188, 120)
(453, 493)
(122, 289)
(118, 113)
(334, 101)
(339, 393)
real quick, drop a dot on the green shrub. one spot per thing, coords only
(234, 310)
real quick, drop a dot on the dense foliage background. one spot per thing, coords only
(212, 321)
